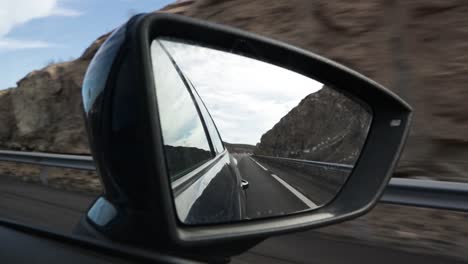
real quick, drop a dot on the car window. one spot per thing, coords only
(210, 125)
(185, 142)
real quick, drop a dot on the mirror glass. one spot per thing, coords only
(245, 139)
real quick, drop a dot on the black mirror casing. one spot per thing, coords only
(125, 137)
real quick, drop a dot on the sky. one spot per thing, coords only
(35, 32)
(245, 97)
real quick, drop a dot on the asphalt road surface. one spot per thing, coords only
(60, 210)
(37, 205)
(266, 196)
(318, 183)
(277, 190)
(313, 248)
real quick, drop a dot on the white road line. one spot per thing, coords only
(298, 194)
(259, 164)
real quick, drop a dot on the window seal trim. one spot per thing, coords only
(209, 116)
(185, 181)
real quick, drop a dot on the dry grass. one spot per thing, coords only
(59, 178)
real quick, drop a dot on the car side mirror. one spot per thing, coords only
(205, 135)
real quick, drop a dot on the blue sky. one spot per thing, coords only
(35, 32)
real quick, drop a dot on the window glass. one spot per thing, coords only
(210, 125)
(185, 142)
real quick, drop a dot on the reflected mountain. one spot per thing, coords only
(324, 126)
(181, 160)
(239, 148)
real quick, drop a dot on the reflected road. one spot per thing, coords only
(275, 189)
(266, 196)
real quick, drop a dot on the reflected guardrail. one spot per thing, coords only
(401, 191)
(329, 165)
(329, 177)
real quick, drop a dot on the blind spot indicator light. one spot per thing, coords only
(395, 122)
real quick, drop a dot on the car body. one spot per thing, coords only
(211, 184)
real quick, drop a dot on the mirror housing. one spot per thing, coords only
(125, 136)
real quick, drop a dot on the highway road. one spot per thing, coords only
(60, 210)
(276, 189)
(320, 183)
(266, 196)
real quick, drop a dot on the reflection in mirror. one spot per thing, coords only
(246, 139)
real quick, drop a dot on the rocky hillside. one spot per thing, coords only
(416, 48)
(44, 112)
(239, 148)
(324, 126)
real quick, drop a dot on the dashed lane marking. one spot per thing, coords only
(259, 165)
(298, 194)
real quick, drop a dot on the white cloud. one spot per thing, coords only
(61, 11)
(12, 44)
(245, 97)
(186, 129)
(17, 12)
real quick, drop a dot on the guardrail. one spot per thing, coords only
(427, 193)
(330, 165)
(47, 159)
(412, 192)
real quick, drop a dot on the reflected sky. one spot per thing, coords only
(245, 97)
(180, 123)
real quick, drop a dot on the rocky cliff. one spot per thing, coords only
(416, 48)
(239, 148)
(44, 112)
(324, 126)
